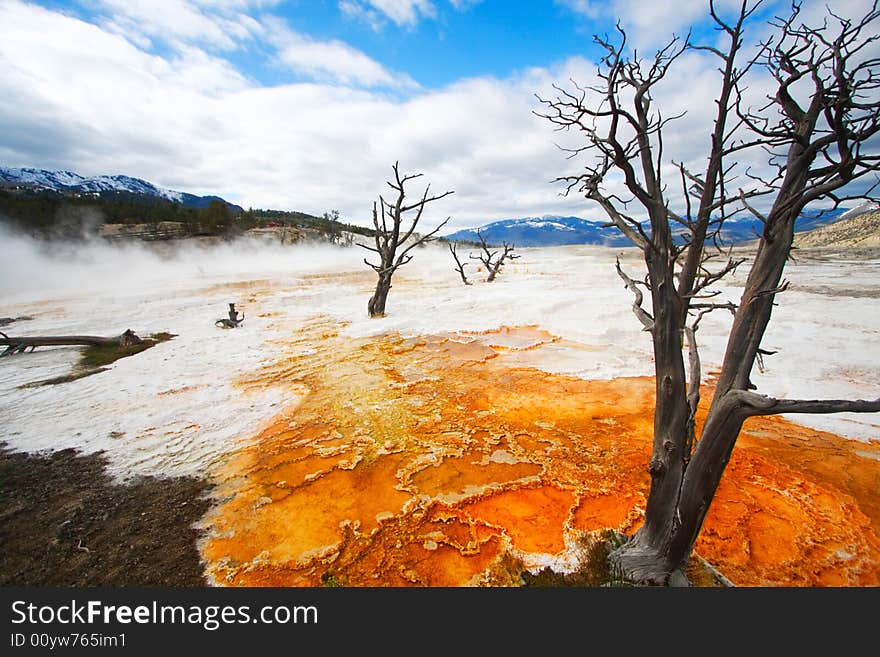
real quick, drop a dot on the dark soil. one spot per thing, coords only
(65, 522)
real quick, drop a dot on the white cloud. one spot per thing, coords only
(191, 122)
(336, 60)
(588, 8)
(403, 13)
(224, 25)
(649, 23)
(355, 10)
(463, 5)
(218, 24)
(333, 61)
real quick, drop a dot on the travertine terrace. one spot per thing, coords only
(470, 431)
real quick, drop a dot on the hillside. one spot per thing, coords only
(861, 231)
(66, 205)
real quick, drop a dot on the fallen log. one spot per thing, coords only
(20, 344)
(9, 320)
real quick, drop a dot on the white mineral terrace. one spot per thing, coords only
(173, 409)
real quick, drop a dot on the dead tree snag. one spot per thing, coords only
(393, 241)
(233, 321)
(493, 260)
(818, 127)
(459, 265)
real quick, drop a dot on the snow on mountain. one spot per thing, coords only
(552, 230)
(548, 230)
(68, 181)
(548, 224)
(867, 206)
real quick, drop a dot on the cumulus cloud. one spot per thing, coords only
(649, 23)
(333, 61)
(222, 24)
(190, 121)
(403, 13)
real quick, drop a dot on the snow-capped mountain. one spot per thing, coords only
(548, 230)
(867, 206)
(68, 181)
(551, 230)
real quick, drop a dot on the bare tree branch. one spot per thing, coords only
(753, 404)
(459, 266)
(643, 316)
(491, 260)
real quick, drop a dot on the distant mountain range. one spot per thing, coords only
(548, 230)
(552, 230)
(73, 183)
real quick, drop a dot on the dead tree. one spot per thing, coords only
(332, 227)
(21, 344)
(393, 242)
(459, 265)
(492, 260)
(820, 138)
(233, 321)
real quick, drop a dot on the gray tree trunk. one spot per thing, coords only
(376, 305)
(20, 344)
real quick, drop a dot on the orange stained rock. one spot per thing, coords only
(535, 519)
(618, 509)
(427, 461)
(457, 477)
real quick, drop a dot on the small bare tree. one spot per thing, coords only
(392, 242)
(331, 226)
(492, 260)
(817, 125)
(459, 265)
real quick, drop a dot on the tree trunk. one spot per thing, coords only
(666, 540)
(726, 415)
(19, 344)
(818, 134)
(641, 558)
(376, 306)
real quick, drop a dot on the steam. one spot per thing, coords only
(76, 223)
(39, 270)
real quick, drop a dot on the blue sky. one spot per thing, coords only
(484, 38)
(306, 104)
(434, 43)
